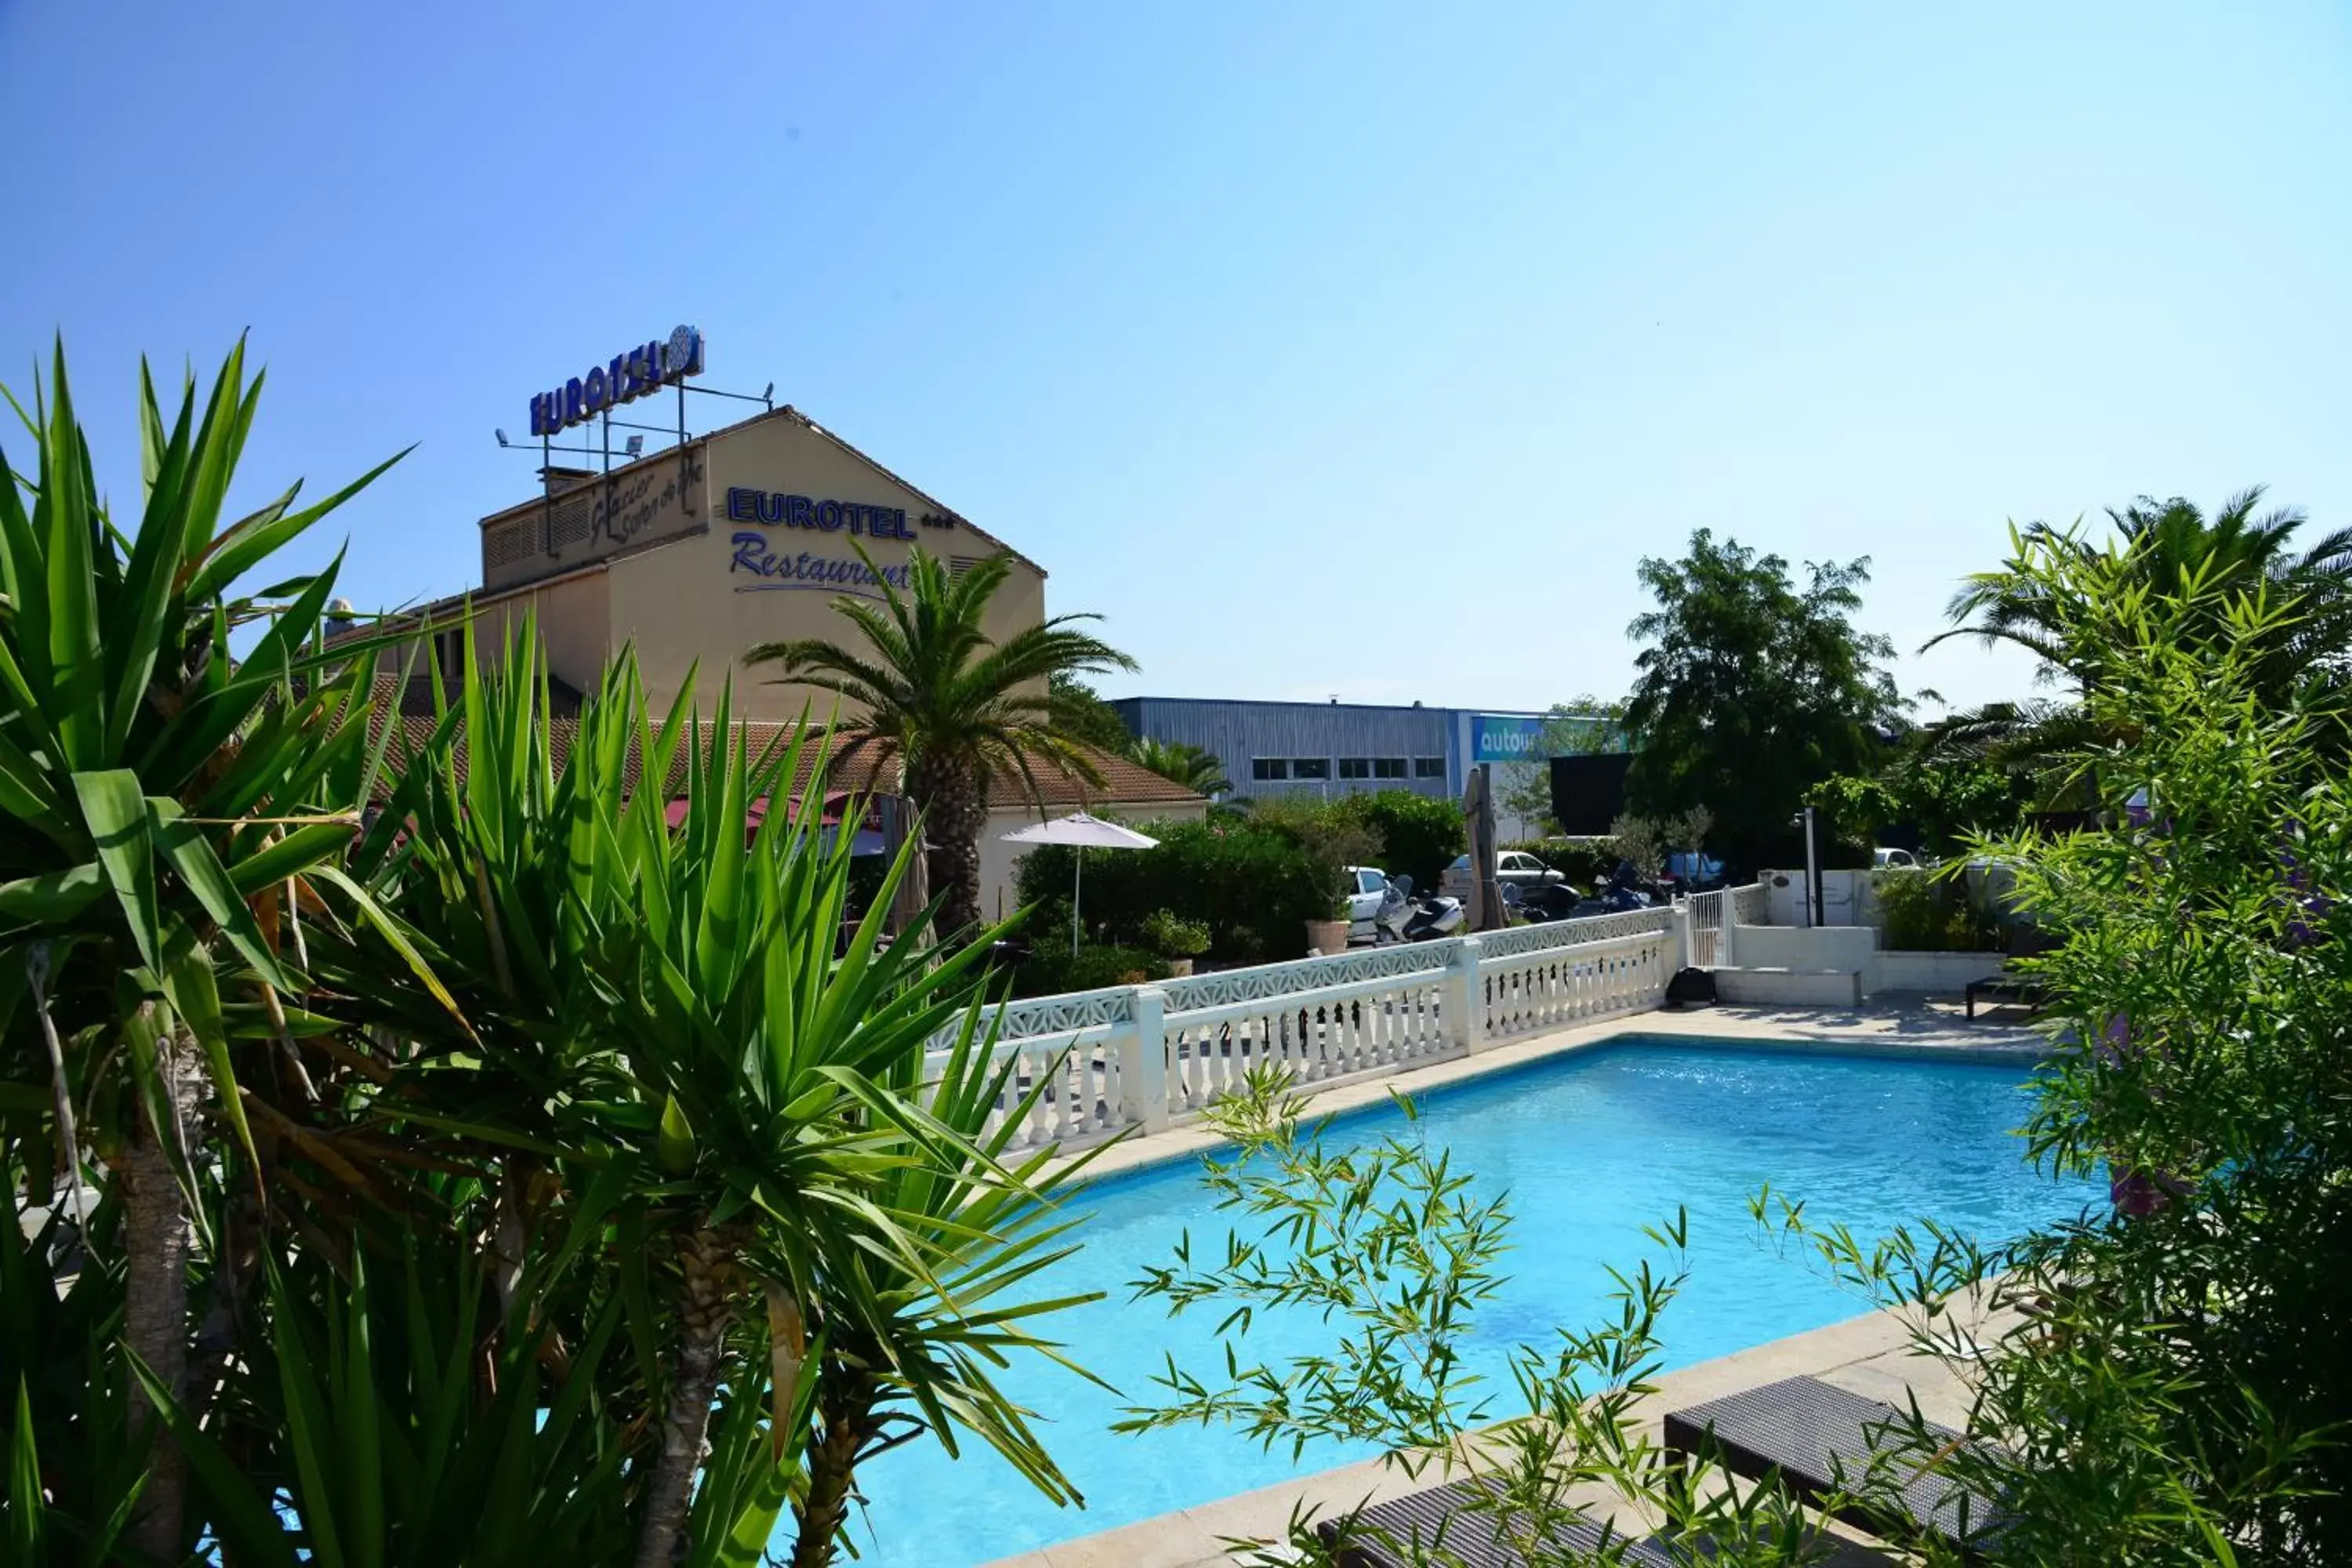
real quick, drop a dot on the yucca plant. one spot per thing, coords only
(897, 1349)
(166, 808)
(760, 1059)
(669, 1013)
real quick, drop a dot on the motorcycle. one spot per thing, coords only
(1404, 918)
(1546, 901)
(1622, 896)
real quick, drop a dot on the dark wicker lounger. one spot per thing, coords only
(2005, 987)
(1812, 1433)
(1469, 1534)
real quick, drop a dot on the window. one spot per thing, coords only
(1429, 767)
(1388, 767)
(1369, 881)
(1355, 767)
(1270, 768)
(1310, 767)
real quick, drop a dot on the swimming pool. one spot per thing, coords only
(1592, 1147)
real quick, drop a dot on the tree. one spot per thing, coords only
(1580, 727)
(1089, 718)
(1194, 768)
(958, 709)
(1943, 800)
(1752, 691)
(166, 811)
(2164, 548)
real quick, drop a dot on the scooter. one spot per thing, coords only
(1404, 918)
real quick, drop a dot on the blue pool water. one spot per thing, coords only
(1591, 1148)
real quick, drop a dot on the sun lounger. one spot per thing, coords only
(1469, 1534)
(2009, 985)
(1821, 1441)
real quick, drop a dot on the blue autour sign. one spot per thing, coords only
(1507, 738)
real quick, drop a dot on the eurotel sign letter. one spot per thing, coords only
(632, 375)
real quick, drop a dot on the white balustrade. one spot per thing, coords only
(1144, 1056)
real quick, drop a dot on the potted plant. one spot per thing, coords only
(1330, 935)
(1175, 939)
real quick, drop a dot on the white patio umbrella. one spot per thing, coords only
(1081, 833)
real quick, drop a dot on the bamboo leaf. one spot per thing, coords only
(53, 897)
(242, 1520)
(76, 657)
(257, 538)
(677, 1145)
(25, 1505)
(291, 855)
(196, 995)
(190, 855)
(392, 931)
(117, 815)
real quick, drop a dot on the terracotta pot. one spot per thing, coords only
(1327, 936)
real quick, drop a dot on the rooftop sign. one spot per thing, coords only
(630, 376)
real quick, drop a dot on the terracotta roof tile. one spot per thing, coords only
(865, 770)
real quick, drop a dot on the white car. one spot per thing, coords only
(1367, 886)
(1891, 859)
(1512, 866)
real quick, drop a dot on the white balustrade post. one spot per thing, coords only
(1464, 998)
(1143, 1062)
(1723, 952)
(1679, 945)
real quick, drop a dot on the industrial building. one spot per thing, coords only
(1327, 748)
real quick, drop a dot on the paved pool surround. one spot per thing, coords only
(1869, 1355)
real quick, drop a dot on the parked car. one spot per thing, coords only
(1367, 886)
(1887, 859)
(1512, 866)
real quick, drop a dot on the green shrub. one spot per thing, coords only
(1583, 861)
(1175, 936)
(1920, 912)
(1419, 835)
(1052, 969)
(1254, 886)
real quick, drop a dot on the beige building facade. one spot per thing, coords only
(747, 535)
(692, 556)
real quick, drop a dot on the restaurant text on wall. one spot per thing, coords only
(807, 571)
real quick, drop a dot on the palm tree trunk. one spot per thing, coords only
(948, 792)
(156, 1241)
(706, 1258)
(846, 1403)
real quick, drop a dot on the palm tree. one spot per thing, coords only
(2167, 546)
(1195, 768)
(959, 709)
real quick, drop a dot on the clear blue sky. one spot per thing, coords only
(1356, 348)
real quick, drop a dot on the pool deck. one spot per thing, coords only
(1870, 1355)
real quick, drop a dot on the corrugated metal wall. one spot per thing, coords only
(1239, 734)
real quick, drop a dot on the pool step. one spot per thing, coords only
(1778, 987)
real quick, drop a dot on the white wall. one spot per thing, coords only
(1789, 947)
(1846, 898)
